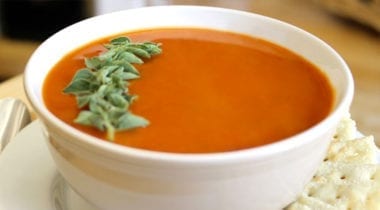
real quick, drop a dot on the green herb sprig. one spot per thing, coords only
(101, 88)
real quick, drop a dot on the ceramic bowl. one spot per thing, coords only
(117, 177)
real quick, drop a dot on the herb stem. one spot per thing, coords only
(101, 88)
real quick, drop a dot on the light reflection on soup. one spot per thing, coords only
(209, 91)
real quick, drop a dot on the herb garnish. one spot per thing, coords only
(101, 88)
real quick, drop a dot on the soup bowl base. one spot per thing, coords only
(169, 187)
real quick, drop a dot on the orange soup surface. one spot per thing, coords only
(208, 91)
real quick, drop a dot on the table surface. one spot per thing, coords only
(358, 45)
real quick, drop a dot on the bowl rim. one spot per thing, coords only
(256, 153)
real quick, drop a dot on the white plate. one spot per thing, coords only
(29, 179)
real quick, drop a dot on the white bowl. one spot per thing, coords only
(117, 177)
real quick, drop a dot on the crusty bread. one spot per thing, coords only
(349, 177)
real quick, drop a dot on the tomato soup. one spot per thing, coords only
(208, 91)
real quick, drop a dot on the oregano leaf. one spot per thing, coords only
(101, 89)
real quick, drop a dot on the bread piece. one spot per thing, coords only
(361, 150)
(342, 186)
(349, 177)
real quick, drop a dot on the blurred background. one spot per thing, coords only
(351, 27)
